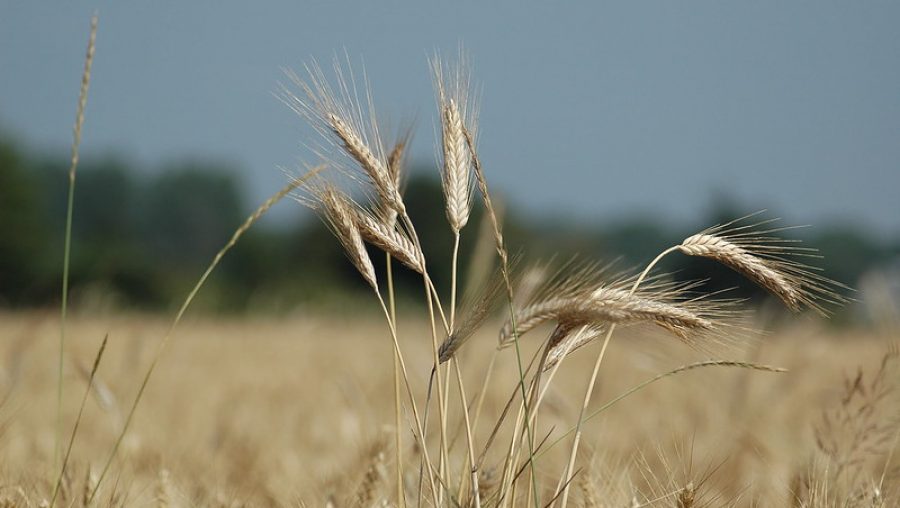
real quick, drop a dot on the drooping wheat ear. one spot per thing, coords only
(575, 340)
(579, 294)
(376, 169)
(337, 113)
(614, 305)
(544, 291)
(766, 261)
(458, 115)
(389, 239)
(339, 216)
(477, 307)
(611, 305)
(395, 162)
(532, 316)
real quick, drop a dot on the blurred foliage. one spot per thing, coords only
(142, 238)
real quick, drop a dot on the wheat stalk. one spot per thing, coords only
(67, 248)
(238, 233)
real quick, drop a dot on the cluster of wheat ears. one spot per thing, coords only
(358, 189)
(360, 196)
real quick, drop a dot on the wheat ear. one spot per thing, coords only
(338, 213)
(377, 170)
(337, 113)
(458, 115)
(391, 240)
(766, 261)
(395, 164)
(667, 305)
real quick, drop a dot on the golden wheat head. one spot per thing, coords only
(346, 122)
(768, 261)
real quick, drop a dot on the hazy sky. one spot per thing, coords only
(589, 109)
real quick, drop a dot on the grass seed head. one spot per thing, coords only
(458, 115)
(339, 215)
(768, 261)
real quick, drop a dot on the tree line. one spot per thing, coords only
(142, 238)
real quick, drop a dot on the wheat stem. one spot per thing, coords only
(401, 497)
(67, 248)
(504, 269)
(469, 439)
(87, 391)
(259, 212)
(440, 388)
(399, 355)
(594, 373)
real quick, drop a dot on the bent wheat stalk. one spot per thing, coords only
(255, 216)
(747, 249)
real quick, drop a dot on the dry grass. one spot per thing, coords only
(261, 413)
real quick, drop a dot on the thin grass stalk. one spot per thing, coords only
(398, 420)
(504, 269)
(558, 334)
(442, 464)
(67, 248)
(503, 414)
(548, 382)
(510, 475)
(446, 405)
(482, 393)
(453, 277)
(469, 438)
(414, 236)
(412, 400)
(590, 388)
(465, 409)
(255, 216)
(87, 391)
(432, 300)
(512, 455)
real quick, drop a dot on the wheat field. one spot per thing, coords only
(529, 383)
(298, 412)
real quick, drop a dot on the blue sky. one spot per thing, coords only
(590, 110)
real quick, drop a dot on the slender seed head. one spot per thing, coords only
(769, 262)
(339, 216)
(458, 116)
